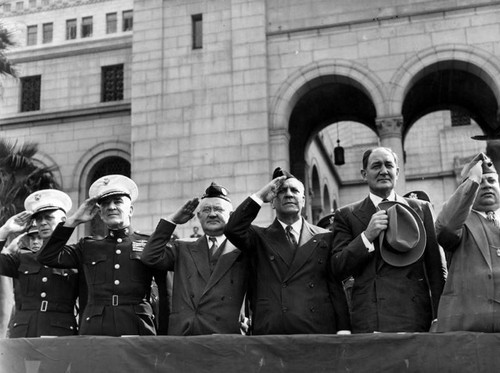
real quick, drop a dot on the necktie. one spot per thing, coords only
(291, 237)
(214, 247)
(490, 215)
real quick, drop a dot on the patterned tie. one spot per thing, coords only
(214, 247)
(490, 215)
(291, 237)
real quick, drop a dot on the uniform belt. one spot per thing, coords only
(46, 306)
(116, 300)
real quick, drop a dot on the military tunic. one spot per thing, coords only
(45, 297)
(118, 284)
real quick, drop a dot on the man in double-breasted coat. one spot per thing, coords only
(210, 273)
(386, 298)
(469, 231)
(292, 288)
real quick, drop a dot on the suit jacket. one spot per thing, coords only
(468, 301)
(387, 298)
(289, 294)
(202, 303)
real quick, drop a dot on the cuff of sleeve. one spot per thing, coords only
(369, 245)
(344, 332)
(257, 199)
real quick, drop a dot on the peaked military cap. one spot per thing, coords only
(216, 191)
(32, 230)
(113, 185)
(47, 199)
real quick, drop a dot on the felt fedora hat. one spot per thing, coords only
(404, 240)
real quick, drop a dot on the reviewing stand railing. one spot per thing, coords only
(383, 352)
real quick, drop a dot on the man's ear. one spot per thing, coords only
(363, 174)
(131, 210)
(63, 218)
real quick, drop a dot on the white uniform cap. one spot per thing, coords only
(47, 199)
(110, 185)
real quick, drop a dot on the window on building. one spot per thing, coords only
(112, 83)
(71, 29)
(128, 20)
(30, 93)
(32, 3)
(48, 32)
(45, 2)
(111, 23)
(459, 118)
(32, 35)
(19, 5)
(197, 20)
(87, 27)
(6, 8)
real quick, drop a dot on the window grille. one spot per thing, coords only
(112, 83)
(30, 93)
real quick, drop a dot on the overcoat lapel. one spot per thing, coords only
(227, 258)
(475, 225)
(278, 242)
(199, 253)
(365, 211)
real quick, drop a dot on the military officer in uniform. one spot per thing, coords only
(45, 297)
(118, 282)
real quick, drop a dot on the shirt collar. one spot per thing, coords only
(483, 213)
(376, 199)
(220, 240)
(296, 227)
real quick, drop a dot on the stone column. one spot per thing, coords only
(390, 131)
(493, 151)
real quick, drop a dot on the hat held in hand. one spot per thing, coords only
(404, 240)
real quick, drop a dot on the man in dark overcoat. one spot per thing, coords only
(292, 288)
(386, 297)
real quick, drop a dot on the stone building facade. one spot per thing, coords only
(226, 90)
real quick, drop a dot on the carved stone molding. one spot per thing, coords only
(389, 127)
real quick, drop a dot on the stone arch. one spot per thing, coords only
(297, 83)
(477, 61)
(92, 157)
(88, 162)
(47, 161)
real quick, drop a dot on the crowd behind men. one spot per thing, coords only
(380, 268)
